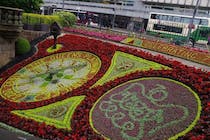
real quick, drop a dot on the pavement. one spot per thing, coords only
(8, 135)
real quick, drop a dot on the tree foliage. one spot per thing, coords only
(67, 18)
(27, 5)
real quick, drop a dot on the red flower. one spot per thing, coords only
(41, 131)
(199, 137)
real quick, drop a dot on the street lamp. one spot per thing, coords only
(63, 5)
(192, 20)
(78, 10)
(113, 21)
(114, 10)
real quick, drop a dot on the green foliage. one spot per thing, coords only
(67, 18)
(33, 19)
(24, 18)
(26, 5)
(22, 46)
(29, 18)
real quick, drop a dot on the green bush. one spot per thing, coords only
(29, 18)
(24, 18)
(66, 18)
(22, 46)
(55, 18)
(33, 19)
(46, 20)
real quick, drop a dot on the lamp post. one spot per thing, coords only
(78, 10)
(192, 20)
(63, 5)
(113, 21)
(114, 10)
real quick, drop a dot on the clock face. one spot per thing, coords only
(50, 76)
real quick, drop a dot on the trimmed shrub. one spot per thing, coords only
(32, 19)
(67, 18)
(22, 46)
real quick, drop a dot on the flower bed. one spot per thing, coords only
(75, 106)
(99, 34)
(188, 53)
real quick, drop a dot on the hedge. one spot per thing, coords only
(30, 18)
(63, 18)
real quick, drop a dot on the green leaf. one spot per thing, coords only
(68, 76)
(44, 84)
(59, 75)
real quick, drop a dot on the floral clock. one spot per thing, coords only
(50, 76)
(89, 89)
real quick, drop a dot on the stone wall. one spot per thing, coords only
(31, 35)
(10, 28)
(7, 51)
(7, 48)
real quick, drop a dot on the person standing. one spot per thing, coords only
(208, 43)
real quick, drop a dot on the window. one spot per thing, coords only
(196, 21)
(156, 7)
(171, 18)
(167, 28)
(185, 20)
(163, 17)
(171, 9)
(153, 16)
(204, 33)
(177, 19)
(204, 22)
(129, 2)
(157, 16)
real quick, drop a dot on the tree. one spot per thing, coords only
(67, 18)
(28, 6)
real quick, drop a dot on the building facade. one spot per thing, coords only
(130, 14)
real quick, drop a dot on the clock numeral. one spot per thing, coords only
(60, 85)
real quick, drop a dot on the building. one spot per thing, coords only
(130, 14)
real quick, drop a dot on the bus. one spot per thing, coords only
(177, 27)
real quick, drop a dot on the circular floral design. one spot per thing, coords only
(148, 108)
(50, 76)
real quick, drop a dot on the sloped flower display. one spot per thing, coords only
(188, 53)
(90, 89)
